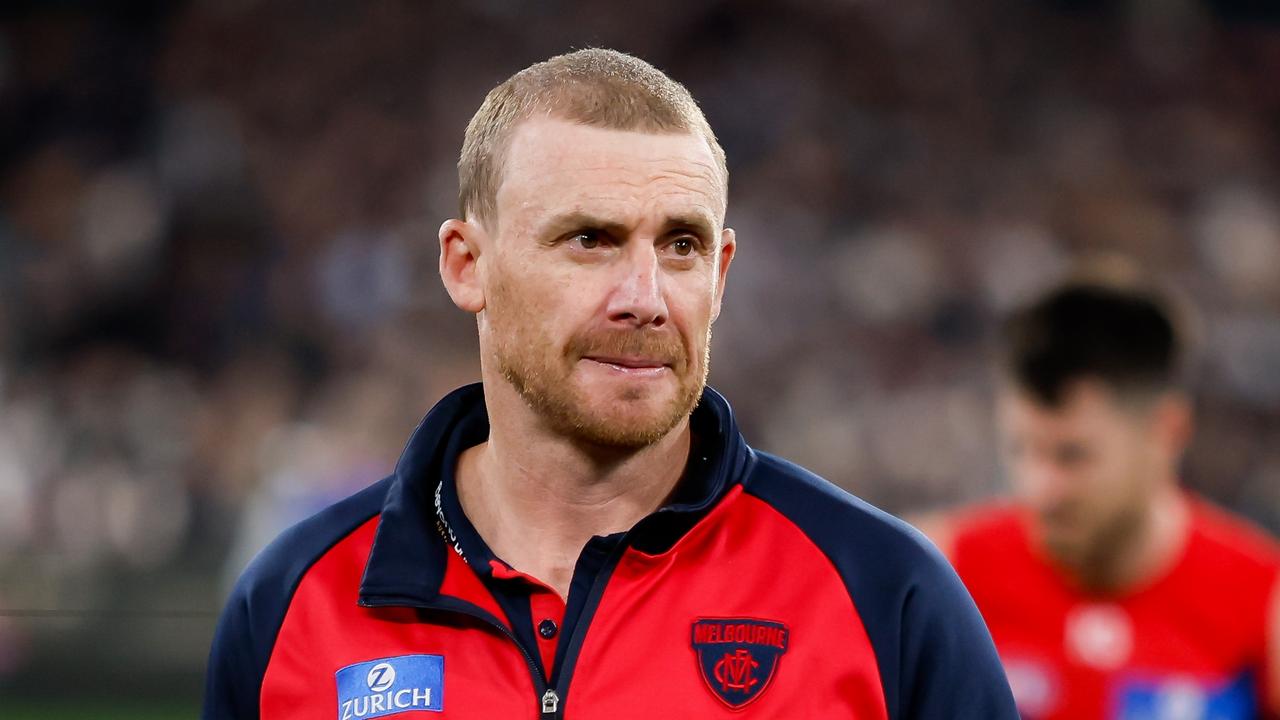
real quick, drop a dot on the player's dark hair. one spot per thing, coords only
(1128, 337)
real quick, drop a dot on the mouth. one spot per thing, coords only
(631, 366)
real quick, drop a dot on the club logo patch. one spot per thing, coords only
(738, 657)
(405, 683)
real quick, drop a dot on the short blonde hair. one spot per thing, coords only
(597, 87)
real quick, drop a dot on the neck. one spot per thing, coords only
(536, 498)
(1142, 549)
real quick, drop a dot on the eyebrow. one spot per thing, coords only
(577, 220)
(698, 222)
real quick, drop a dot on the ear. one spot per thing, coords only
(460, 243)
(728, 247)
(1173, 424)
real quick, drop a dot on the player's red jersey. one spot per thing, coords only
(1189, 644)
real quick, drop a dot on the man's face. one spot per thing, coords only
(603, 276)
(1085, 469)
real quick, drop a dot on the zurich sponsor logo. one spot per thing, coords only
(405, 683)
(381, 677)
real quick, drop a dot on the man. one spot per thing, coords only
(1110, 592)
(585, 534)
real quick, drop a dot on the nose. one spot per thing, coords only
(1045, 486)
(638, 299)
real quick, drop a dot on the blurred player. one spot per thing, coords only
(1110, 592)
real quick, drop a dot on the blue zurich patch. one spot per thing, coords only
(738, 657)
(1187, 697)
(405, 683)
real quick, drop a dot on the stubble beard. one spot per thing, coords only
(544, 381)
(1094, 560)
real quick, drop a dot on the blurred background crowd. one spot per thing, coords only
(219, 308)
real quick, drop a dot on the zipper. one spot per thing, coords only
(548, 699)
(550, 703)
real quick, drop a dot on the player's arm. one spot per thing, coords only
(247, 630)
(232, 681)
(951, 666)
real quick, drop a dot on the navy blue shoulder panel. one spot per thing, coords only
(247, 630)
(935, 656)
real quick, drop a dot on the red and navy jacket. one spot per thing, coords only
(760, 590)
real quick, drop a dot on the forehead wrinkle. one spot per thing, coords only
(673, 207)
(558, 152)
(669, 197)
(626, 173)
(646, 188)
(555, 176)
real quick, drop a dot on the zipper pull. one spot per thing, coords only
(550, 702)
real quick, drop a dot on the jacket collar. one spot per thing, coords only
(408, 558)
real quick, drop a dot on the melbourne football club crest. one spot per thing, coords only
(738, 657)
